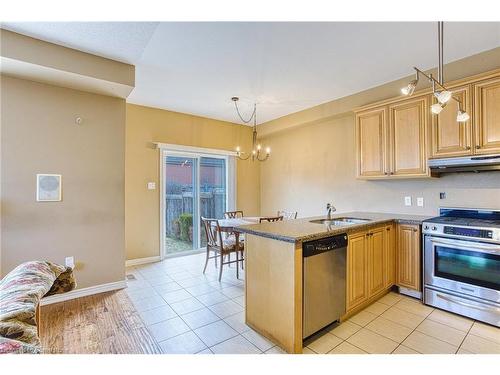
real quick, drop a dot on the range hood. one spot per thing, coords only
(479, 163)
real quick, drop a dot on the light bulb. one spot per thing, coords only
(268, 150)
(258, 147)
(436, 108)
(410, 88)
(238, 149)
(462, 116)
(253, 152)
(443, 96)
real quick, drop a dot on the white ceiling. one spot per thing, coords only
(286, 67)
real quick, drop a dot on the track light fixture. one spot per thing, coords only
(443, 95)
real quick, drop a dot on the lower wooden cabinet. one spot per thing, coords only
(357, 262)
(408, 257)
(375, 244)
(370, 264)
(389, 256)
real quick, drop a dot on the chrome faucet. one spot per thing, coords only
(329, 209)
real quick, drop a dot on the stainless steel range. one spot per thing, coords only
(462, 263)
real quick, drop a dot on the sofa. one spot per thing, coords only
(20, 293)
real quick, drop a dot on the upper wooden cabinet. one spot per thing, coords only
(390, 140)
(395, 138)
(371, 142)
(407, 143)
(448, 136)
(487, 116)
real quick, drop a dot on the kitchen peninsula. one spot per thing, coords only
(383, 251)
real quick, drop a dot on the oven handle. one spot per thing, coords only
(452, 300)
(471, 246)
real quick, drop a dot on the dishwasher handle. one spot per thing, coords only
(316, 247)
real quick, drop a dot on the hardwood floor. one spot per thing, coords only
(103, 323)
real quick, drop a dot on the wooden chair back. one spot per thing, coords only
(233, 214)
(212, 232)
(288, 215)
(271, 219)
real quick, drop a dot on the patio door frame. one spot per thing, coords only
(193, 153)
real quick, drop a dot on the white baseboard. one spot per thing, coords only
(77, 293)
(137, 261)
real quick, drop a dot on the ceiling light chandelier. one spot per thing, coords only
(256, 148)
(442, 94)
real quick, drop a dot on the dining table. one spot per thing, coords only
(229, 225)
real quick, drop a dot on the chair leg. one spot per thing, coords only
(206, 261)
(237, 265)
(221, 266)
(242, 261)
(215, 259)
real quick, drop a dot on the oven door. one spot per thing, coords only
(466, 267)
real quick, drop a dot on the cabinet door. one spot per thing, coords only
(389, 256)
(487, 116)
(371, 143)
(375, 261)
(357, 283)
(407, 137)
(448, 136)
(408, 256)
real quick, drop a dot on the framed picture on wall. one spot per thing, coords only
(48, 187)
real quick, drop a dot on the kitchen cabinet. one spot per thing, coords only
(408, 257)
(371, 142)
(449, 137)
(407, 137)
(376, 258)
(396, 137)
(370, 264)
(391, 140)
(389, 256)
(487, 116)
(357, 261)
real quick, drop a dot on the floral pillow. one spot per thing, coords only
(20, 294)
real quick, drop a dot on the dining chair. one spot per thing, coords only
(221, 246)
(288, 215)
(233, 214)
(271, 219)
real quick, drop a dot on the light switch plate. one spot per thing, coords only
(69, 262)
(151, 185)
(407, 201)
(420, 202)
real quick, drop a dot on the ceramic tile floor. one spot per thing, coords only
(188, 312)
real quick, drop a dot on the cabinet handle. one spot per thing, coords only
(467, 148)
(388, 229)
(415, 230)
(478, 147)
(391, 173)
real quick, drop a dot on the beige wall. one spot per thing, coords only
(142, 206)
(315, 164)
(39, 135)
(314, 161)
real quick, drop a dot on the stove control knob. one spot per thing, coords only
(434, 228)
(426, 227)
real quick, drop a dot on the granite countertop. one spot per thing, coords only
(301, 230)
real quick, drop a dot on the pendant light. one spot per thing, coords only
(442, 94)
(256, 148)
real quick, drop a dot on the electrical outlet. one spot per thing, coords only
(420, 202)
(407, 201)
(69, 262)
(151, 185)
(442, 195)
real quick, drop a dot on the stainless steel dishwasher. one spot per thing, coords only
(324, 282)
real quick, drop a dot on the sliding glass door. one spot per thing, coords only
(194, 186)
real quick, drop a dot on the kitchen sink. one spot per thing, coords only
(340, 221)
